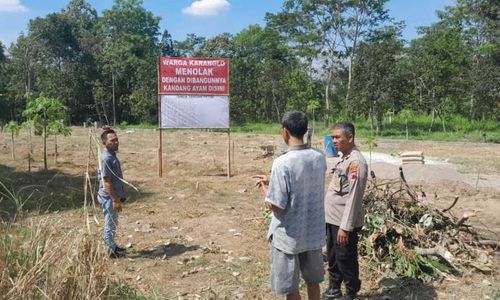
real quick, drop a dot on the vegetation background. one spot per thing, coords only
(334, 59)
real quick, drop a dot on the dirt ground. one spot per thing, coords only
(195, 233)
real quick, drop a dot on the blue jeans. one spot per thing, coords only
(110, 221)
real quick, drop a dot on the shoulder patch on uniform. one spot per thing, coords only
(353, 170)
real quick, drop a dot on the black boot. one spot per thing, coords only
(332, 293)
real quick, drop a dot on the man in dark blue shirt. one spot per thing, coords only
(111, 190)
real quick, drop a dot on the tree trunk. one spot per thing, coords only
(99, 117)
(442, 121)
(105, 112)
(433, 109)
(471, 112)
(55, 152)
(327, 99)
(348, 93)
(45, 148)
(30, 152)
(13, 150)
(406, 125)
(433, 119)
(276, 105)
(370, 112)
(114, 104)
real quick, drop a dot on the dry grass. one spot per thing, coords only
(195, 213)
(39, 262)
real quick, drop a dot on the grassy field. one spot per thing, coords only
(458, 129)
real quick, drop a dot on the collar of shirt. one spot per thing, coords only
(344, 157)
(113, 153)
(299, 147)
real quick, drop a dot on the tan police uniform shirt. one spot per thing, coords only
(344, 196)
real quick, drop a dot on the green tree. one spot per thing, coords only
(3, 84)
(54, 58)
(13, 128)
(190, 47)
(21, 70)
(439, 60)
(43, 111)
(127, 62)
(329, 31)
(479, 24)
(371, 142)
(376, 83)
(56, 128)
(222, 45)
(406, 114)
(167, 45)
(29, 124)
(258, 72)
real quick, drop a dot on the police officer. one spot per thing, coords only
(344, 214)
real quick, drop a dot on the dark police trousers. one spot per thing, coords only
(343, 260)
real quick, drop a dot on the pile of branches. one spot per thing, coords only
(405, 237)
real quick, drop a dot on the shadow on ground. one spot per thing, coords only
(164, 251)
(44, 191)
(400, 288)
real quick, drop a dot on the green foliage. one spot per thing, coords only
(127, 62)
(377, 82)
(345, 57)
(412, 265)
(262, 128)
(329, 32)
(44, 110)
(57, 127)
(12, 128)
(45, 113)
(371, 142)
(13, 203)
(460, 129)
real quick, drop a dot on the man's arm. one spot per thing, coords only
(108, 186)
(273, 207)
(263, 183)
(356, 176)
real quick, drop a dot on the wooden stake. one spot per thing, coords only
(86, 184)
(160, 150)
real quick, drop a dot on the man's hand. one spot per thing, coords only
(342, 237)
(117, 205)
(262, 181)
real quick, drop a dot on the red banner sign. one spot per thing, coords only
(193, 76)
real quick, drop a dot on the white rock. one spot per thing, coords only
(245, 258)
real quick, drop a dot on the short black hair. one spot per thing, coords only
(347, 126)
(295, 122)
(104, 134)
